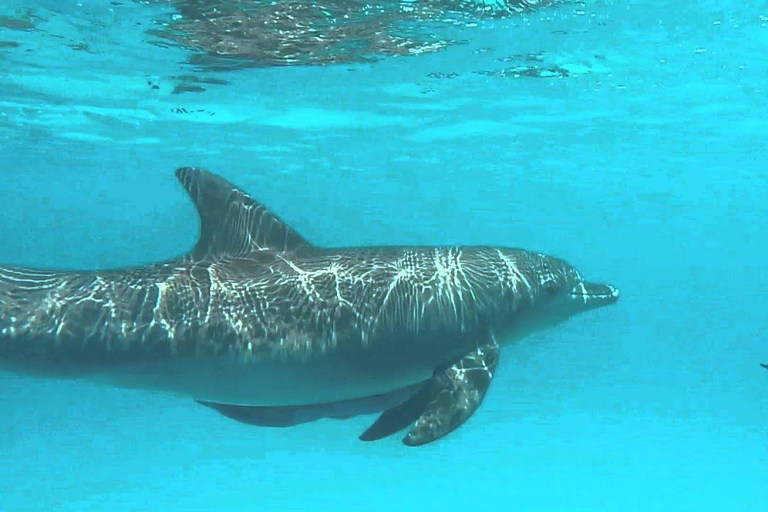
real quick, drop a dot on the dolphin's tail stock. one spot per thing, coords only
(35, 311)
(66, 323)
(25, 309)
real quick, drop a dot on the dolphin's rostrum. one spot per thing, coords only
(266, 328)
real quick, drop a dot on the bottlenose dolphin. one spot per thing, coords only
(266, 328)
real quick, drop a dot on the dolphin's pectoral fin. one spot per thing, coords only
(232, 223)
(399, 417)
(444, 402)
(455, 394)
(764, 366)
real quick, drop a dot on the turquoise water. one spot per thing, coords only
(641, 160)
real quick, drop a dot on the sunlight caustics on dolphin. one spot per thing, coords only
(268, 329)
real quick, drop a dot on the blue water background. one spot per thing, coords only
(646, 169)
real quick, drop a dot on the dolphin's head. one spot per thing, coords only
(561, 290)
(555, 289)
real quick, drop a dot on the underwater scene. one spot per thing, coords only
(383, 255)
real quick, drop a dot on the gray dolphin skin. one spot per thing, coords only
(265, 328)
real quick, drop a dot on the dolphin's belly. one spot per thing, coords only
(268, 383)
(351, 371)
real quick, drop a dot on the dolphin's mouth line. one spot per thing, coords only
(590, 291)
(595, 295)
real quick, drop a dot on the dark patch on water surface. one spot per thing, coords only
(193, 83)
(440, 75)
(80, 47)
(201, 80)
(540, 65)
(24, 23)
(528, 71)
(181, 89)
(182, 110)
(524, 57)
(9, 44)
(227, 35)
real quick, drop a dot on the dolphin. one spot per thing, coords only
(266, 328)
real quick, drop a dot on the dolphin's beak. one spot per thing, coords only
(595, 294)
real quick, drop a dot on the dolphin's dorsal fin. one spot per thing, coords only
(231, 222)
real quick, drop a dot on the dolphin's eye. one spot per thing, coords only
(551, 287)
